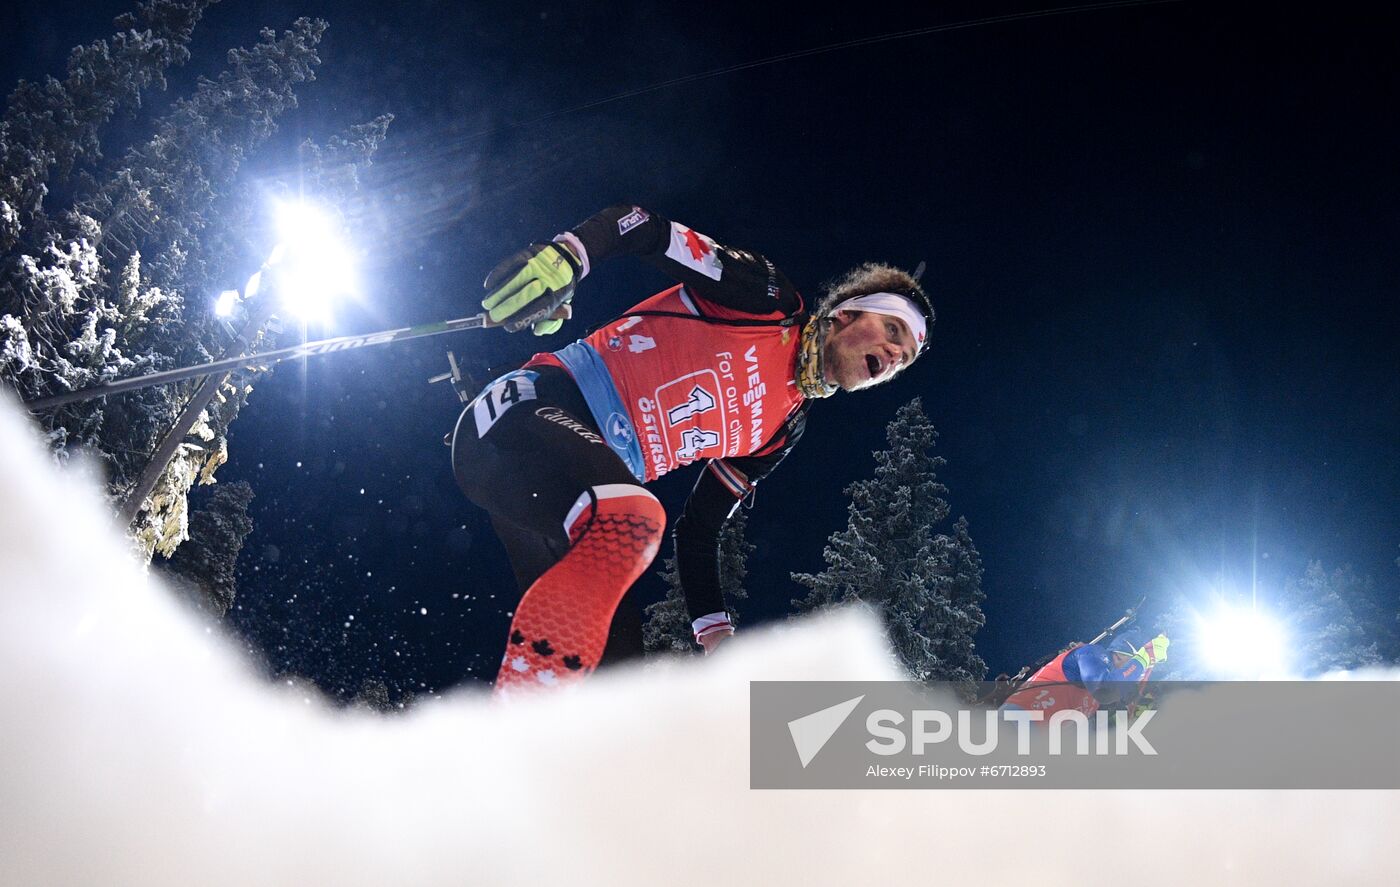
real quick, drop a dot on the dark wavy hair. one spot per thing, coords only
(863, 280)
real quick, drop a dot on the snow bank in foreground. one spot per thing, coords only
(135, 748)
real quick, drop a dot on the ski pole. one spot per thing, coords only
(267, 358)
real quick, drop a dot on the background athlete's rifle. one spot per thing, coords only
(1006, 686)
(1128, 616)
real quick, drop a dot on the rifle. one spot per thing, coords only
(1005, 687)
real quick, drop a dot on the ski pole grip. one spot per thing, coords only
(563, 312)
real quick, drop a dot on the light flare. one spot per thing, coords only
(1243, 642)
(225, 303)
(313, 264)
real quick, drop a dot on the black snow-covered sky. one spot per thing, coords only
(1161, 241)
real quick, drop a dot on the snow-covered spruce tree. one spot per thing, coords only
(106, 265)
(51, 129)
(49, 140)
(374, 695)
(667, 628)
(1333, 620)
(926, 585)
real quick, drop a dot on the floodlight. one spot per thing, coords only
(1243, 642)
(313, 264)
(225, 303)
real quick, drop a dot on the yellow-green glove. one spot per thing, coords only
(1154, 652)
(530, 286)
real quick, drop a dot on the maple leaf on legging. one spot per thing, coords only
(542, 647)
(516, 637)
(573, 663)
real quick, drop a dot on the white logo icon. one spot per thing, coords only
(811, 732)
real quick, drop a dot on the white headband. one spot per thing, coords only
(891, 305)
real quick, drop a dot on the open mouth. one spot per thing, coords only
(872, 363)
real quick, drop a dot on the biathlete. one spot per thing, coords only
(720, 369)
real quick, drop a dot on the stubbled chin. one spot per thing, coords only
(843, 379)
(855, 381)
(849, 376)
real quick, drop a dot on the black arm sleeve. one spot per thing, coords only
(745, 282)
(721, 487)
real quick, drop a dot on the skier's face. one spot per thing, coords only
(864, 349)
